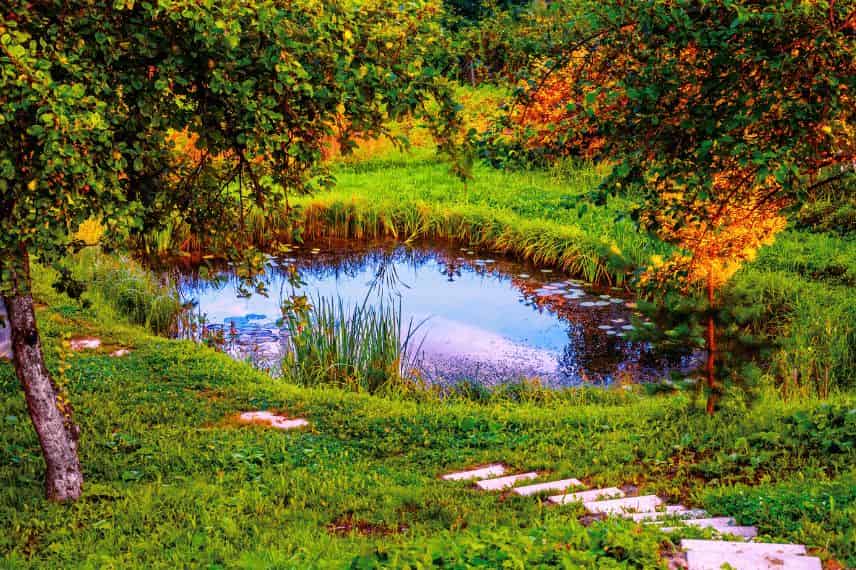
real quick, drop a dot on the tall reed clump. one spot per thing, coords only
(124, 288)
(364, 347)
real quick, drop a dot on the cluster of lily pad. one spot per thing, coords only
(572, 290)
(481, 262)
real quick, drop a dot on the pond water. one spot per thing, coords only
(484, 317)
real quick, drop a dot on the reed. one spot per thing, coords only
(560, 246)
(364, 347)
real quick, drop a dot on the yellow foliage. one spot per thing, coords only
(90, 232)
(715, 237)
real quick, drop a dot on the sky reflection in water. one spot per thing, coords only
(487, 318)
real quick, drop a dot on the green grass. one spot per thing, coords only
(172, 481)
(531, 215)
(121, 289)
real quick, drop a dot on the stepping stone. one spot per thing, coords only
(120, 353)
(524, 276)
(273, 420)
(722, 525)
(549, 486)
(584, 496)
(85, 343)
(504, 482)
(494, 470)
(670, 511)
(605, 327)
(628, 327)
(616, 301)
(587, 304)
(644, 503)
(714, 554)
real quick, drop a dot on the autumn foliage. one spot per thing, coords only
(717, 114)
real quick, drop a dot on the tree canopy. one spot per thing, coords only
(717, 114)
(93, 94)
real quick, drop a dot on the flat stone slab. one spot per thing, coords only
(85, 343)
(120, 353)
(271, 419)
(493, 470)
(505, 482)
(584, 496)
(671, 511)
(713, 554)
(723, 525)
(562, 485)
(644, 503)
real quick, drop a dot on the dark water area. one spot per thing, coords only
(485, 317)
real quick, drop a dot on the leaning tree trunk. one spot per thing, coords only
(711, 349)
(51, 418)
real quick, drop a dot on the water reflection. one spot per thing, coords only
(488, 318)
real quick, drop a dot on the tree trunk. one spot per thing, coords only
(711, 350)
(52, 419)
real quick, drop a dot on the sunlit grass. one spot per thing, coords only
(125, 290)
(172, 481)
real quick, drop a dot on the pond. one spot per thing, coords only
(483, 317)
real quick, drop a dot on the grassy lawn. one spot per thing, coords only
(174, 481)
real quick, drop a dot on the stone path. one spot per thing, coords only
(85, 343)
(504, 482)
(650, 509)
(272, 420)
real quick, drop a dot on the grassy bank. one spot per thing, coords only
(173, 481)
(803, 284)
(526, 214)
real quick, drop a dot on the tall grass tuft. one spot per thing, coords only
(122, 287)
(364, 347)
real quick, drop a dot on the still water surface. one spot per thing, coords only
(484, 317)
